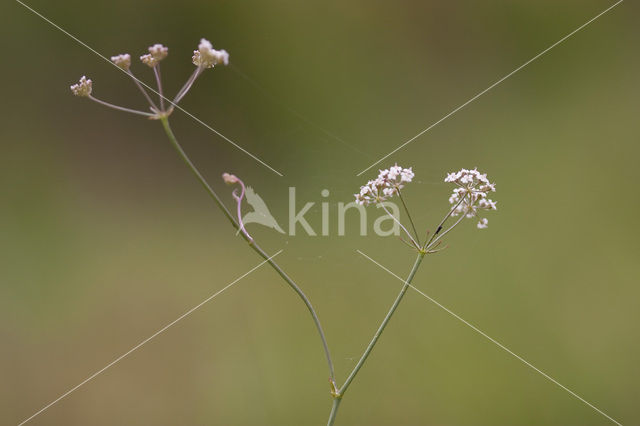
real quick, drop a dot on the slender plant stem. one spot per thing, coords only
(196, 172)
(142, 89)
(406, 209)
(444, 219)
(334, 411)
(462, 216)
(183, 155)
(119, 108)
(187, 85)
(156, 72)
(384, 323)
(375, 338)
(400, 224)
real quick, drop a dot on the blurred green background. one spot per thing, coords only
(106, 237)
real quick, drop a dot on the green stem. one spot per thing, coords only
(406, 209)
(376, 337)
(415, 243)
(183, 155)
(196, 172)
(441, 224)
(334, 411)
(144, 92)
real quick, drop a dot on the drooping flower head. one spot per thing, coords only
(386, 185)
(157, 52)
(471, 193)
(230, 179)
(123, 61)
(82, 88)
(207, 57)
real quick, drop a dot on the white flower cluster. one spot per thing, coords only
(207, 57)
(386, 185)
(83, 87)
(123, 61)
(157, 52)
(473, 189)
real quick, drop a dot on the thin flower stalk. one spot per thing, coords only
(442, 234)
(395, 219)
(143, 91)
(406, 209)
(383, 324)
(343, 389)
(205, 57)
(441, 224)
(469, 199)
(183, 155)
(119, 108)
(156, 72)
(334, 411)
(187, 86)
(123, 61)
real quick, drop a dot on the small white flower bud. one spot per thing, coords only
(223, 57)
(82, 88)
(123, 61)
(207, 57)
(157, 52)
(148, 60)
(230, 179)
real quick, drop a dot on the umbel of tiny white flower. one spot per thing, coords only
(207, 57)
(83, 87)
(123, 61)
(471, 195)
(386, 185)
(157, 52)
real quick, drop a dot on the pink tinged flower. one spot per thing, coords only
(406, 175)
(230, 179)
(207, 57)
(83, 87)
(123, 61)
(386, 185)
(471, 194)
(157, 52)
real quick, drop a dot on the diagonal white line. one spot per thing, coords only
(91, 377)
(492, 86)
(151, 89)
(492, 340)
